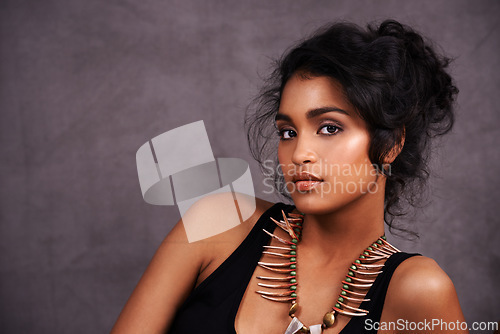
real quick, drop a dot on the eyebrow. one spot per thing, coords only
(312, 113)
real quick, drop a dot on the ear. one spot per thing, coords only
(396, 149)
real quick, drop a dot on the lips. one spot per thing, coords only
(305, 181)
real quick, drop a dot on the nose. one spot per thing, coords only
(303, 152)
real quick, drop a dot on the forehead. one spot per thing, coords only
(302, 93)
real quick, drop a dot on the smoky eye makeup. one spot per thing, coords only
(330, 127)
(284, 129)
(329, 130)
(286, 133)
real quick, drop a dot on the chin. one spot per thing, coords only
(317, 203)
(314, 204)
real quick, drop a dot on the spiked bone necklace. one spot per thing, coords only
(360, 276)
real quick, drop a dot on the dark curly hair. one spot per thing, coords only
(393, 78)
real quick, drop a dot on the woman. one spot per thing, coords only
(354, 110)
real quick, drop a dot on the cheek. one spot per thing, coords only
(280, 153)
(284, 160)
(349, 163)
(352, 150)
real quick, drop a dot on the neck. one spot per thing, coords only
(347, 231)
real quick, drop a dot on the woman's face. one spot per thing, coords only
(323, 149)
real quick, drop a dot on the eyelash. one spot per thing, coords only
(338, 129)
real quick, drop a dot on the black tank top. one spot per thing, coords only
(212, 306)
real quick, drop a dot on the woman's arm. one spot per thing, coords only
(421, 298)
(178, 265)
(165, 284)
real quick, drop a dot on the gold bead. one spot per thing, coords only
(293, 309)
(329, 319)
(304, 329)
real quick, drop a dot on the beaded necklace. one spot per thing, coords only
(360, 276)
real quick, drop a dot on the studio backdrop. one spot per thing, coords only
(84, 84)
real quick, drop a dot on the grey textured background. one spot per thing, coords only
(84, 83)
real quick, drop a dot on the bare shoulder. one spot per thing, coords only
(211, 217)
(420, 289)
(218, 220)
(188, 254)
(220, 224)
(420, 274)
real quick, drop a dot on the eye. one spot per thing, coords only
(329, 129)
(287, 134)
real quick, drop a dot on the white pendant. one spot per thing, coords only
(294, 327)
(316, 329)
